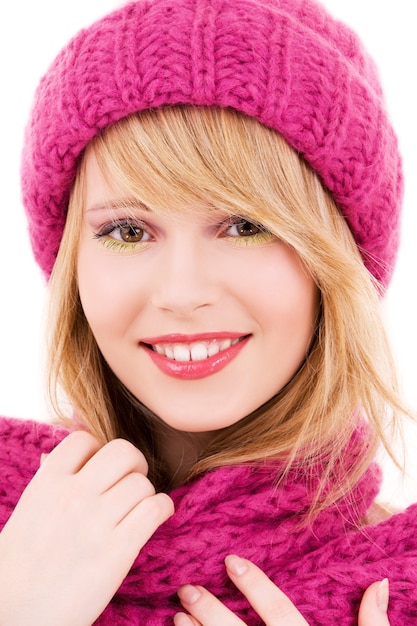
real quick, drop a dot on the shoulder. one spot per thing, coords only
(21, 445)
(22, 441)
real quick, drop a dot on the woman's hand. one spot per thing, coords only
(271, 604)
(75, 533)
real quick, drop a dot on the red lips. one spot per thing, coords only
(193, 369)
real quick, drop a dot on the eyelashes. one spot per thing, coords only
(128, 234)
(123, 235)
(245, 232)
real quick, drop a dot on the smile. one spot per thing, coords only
(197, 351)
(190, 358)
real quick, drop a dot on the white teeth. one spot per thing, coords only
(181, 353)
(213, 349)
(169, 352)
(226, 343)
(198, 351)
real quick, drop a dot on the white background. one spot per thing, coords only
(31, 34)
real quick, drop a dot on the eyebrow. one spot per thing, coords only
(125, 203)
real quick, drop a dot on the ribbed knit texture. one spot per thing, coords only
(324, 568)
(285, 62)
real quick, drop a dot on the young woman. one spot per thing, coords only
(214, 191)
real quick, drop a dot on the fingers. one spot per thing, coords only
(269, 602)
(267, 599)
(116, 472)
(138, 526)
(124, 496)
(88, 512)
(182, 619)
(204, 608)
(72, 453)
(373, 608)
(101, 466)
(111, 480)
(111, 463)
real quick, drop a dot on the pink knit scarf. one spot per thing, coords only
(324, 567)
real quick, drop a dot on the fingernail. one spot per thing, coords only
(181, 619)
(382, 595)
(189, 594)
(236, 565)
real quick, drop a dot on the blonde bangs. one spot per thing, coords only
(201, 158)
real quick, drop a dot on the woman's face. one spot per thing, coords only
(202, 317)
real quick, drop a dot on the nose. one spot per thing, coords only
(185, 280)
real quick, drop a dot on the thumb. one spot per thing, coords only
(374, 605)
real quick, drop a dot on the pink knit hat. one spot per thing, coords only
(285, 62)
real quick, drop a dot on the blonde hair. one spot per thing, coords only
(234, 163)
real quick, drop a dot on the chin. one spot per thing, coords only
(198, 424)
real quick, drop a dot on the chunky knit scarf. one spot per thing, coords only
(324, 568)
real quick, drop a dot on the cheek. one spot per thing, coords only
(104, 295)
(289, 325)
(287, 298)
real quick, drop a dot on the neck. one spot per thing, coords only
(181, 450)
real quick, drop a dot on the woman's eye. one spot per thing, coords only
(240, 231)
(244, 228)
(123, 234)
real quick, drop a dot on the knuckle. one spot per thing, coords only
(207, 603)
(167, 503)
(280, 611)
(159, 506)
(129, 452)
(82, 438)
(75, 445)
(121, 446)
(140, 483)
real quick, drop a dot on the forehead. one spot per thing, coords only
(106, 196)
(99, 187)
(193, 156)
